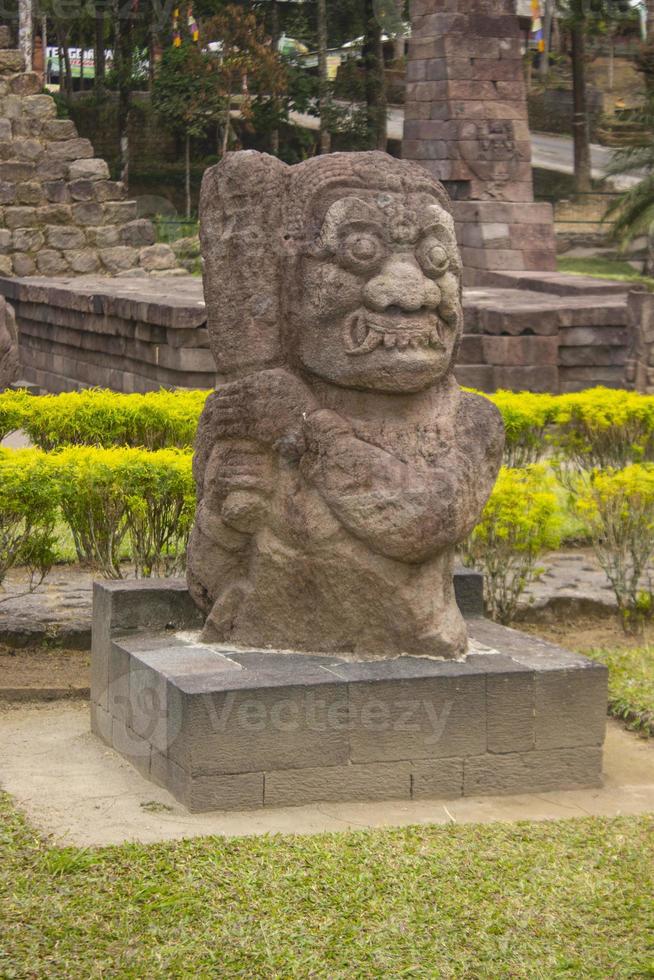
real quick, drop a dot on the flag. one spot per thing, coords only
(177, 37)
(537, 34)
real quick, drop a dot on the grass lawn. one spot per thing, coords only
(631, 684)
(566, 899)
(604, 269)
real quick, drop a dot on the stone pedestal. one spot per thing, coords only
(466, 123)
(226, 729)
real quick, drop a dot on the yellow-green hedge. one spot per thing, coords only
(599, 427)
(115, 502)
(98, 417)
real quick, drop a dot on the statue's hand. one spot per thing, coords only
(268, 406)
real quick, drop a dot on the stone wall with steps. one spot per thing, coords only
(132, 335)
(547, 333)
(59, 211)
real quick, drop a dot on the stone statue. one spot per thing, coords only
(8, 345)
(338, 464)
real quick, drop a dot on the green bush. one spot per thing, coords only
(96, 417)
(14, 410)
(604, 428)
(28, 513)
(526, 417)
(125, 499)
(617, 509)
(520, 521)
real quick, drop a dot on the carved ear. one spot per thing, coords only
(241, 207)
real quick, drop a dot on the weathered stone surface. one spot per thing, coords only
(27, 83)
(109, 190)
(5, 265)
(7, 192)
(82, 190)
(16, 217)
(8, 345)
(56, 191)
(119, 257)
(30, 193)
(138, 232)
(27, 239)
(61, 236)
(91, 169)
(83, 261)
(59, 129)
(55, 214)
(11, 62)
(88, 213)
(5, 37)
(23, 265)
(75, 149)
(120, 212)
(104, 236)
(26, 149)
(5, 241)
(157, 257)
(39, 106)
(51, 263)
(334, 313)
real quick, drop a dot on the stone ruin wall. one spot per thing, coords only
(60, 214)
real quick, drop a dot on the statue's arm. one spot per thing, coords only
(401, 510)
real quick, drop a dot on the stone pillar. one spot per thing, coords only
(466, 122)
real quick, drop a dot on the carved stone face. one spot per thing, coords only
(379, 305)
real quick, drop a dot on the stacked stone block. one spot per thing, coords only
(466, 122)
(235, 730)
(60, 213)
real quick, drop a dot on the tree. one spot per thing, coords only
(247, 70)
(324, 96)
(25, 31)
(375, 82)
(583, 18)
(186, 95)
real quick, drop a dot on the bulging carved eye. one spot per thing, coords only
(433, 258)
(361, 251)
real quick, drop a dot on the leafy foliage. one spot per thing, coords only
(521, 521)
(617, 507)
(110, 495)
(97, 417)
(28, 513)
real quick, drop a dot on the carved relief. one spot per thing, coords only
(338, 464)
(489, 148)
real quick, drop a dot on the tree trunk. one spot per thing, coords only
(547, 38)
(580, 120)
(650, 19)
(25, 31)
(398, 45)
(274, 133)
(324, 96)
(373, 60)
(123, 70)
(98, 50)
(187, 174)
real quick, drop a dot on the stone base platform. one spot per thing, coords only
(234, 730)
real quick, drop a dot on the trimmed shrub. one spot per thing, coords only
(617, 508)
(28, 513)
(97, 417)
(604, 428)
(520, 521)
(526, 418)
(14, 410)
(113, 498)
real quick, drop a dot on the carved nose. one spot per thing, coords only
(401, 282)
